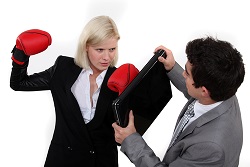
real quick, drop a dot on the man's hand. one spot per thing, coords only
(169, 61)
(122, 133)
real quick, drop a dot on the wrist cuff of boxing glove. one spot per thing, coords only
(18, 56)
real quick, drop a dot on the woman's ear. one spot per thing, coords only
(87, 48)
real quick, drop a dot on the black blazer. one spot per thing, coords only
(75, 143)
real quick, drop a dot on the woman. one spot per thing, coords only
(83, 133)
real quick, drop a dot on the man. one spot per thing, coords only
(213, 134)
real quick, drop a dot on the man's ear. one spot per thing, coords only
(205, 92)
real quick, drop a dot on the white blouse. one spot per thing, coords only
(81, 91)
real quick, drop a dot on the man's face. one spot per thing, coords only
(192, 91)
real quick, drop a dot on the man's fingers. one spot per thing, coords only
(117, 128)
(131, 118)
(114, 125)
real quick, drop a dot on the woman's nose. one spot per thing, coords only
(105, 55)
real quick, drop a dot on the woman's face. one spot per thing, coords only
(102, 55)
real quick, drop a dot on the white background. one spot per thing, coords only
(27, 118)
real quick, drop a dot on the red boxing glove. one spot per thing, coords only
(29, 43)
(122, 77)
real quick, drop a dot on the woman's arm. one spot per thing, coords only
(20, 81)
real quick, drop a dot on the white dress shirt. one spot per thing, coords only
(81, 91)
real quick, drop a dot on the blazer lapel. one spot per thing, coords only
(104, 99)
(207, 117)
(73, 104)
(75, 71)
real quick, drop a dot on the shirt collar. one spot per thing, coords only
(201, 109)
(100, 77)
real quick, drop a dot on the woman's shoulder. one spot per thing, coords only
(65, 58)
(65, 62)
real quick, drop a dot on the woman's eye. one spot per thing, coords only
(99, 50)
(112, 49)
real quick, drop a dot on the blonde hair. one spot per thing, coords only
(96, 31)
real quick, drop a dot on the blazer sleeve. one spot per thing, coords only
(139, 153)
(21, 81)
(177, 79)
(200, 154)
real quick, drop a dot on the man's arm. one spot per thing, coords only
(175, 75)
(134, 147)
(174, 70)
(139, 153)
(197, 155)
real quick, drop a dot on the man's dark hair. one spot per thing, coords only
(216, 65)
